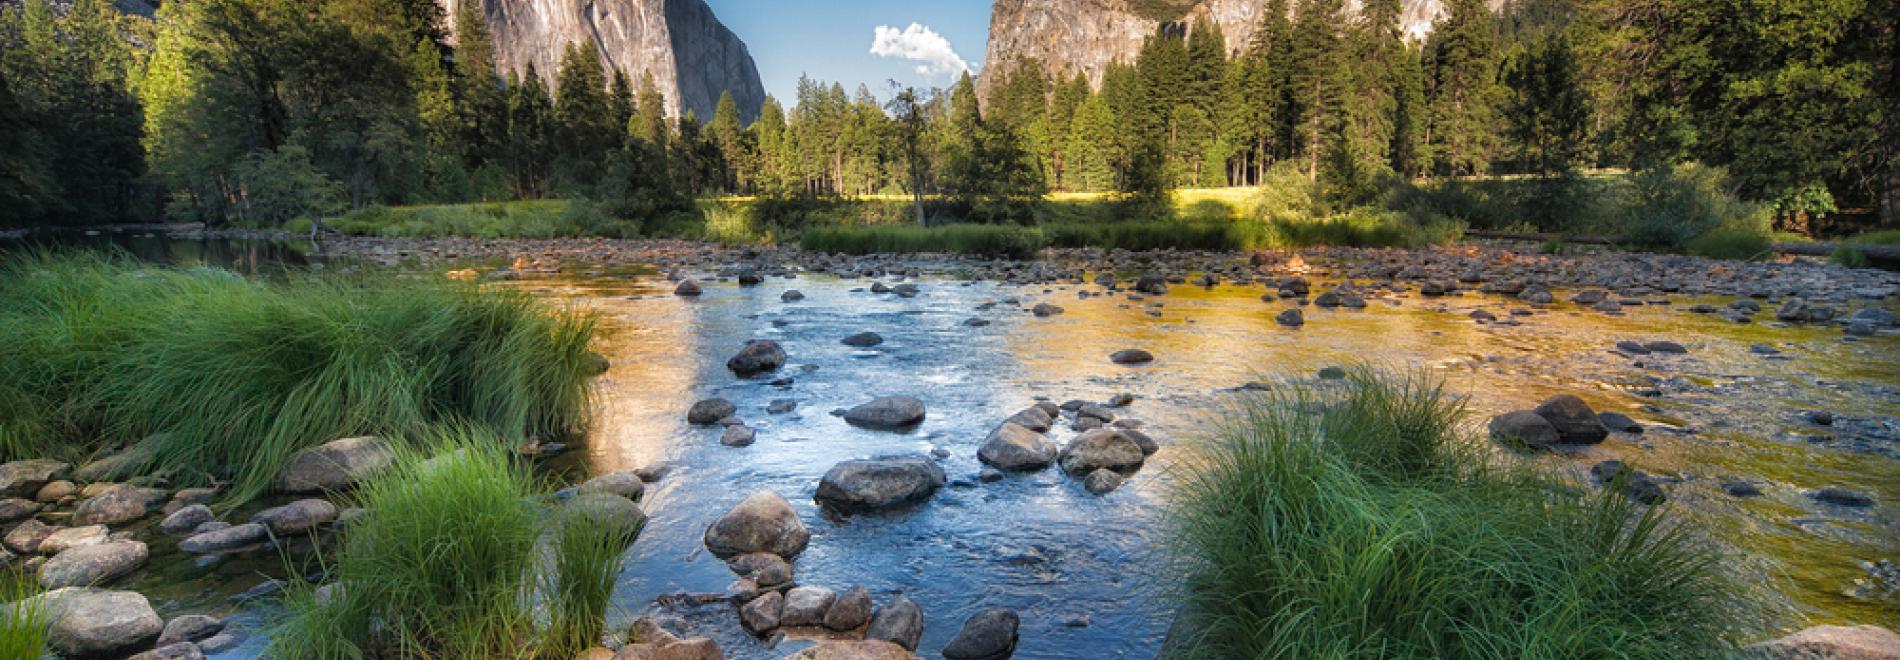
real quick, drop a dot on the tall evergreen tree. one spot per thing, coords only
(1547, 112)
(1462, 95)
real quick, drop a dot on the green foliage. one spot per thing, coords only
(23, 618)
(588, 555)
(279, 185)
(993, 241)
(1732, 243)
(441, 567)
(1547, 113)
(234, 376)
(1668, 207)
(69, 125)
(1154, 235)
(1359, 522)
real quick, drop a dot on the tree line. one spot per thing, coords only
(255, 111)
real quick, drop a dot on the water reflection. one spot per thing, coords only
(247, 256)
(1040, 544)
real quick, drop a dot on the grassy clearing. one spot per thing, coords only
(446, 565)
(23, 618)
(1362, 523)
(228, 377)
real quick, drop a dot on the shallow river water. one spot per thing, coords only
(1042, 545)
(1087, 573)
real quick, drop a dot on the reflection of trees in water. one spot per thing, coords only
(247, 256)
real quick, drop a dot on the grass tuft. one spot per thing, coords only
(1360, 522)
(230, 377)
(23, 618)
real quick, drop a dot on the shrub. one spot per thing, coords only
(1286, 195)
(1363, 228)
(1668, 207)
(234, 375)
(1732, 243)
(1361, 522)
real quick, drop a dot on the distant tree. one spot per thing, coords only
(585, 131)
(1547, 113)
(531, 127)
(1462, 92)
(729, 137)
(1091, 139)
(909, 122)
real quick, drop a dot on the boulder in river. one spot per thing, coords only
(1103, 481)
(228, 539)
(1523, 429)
(1291, 318)
(1619, 422)
(862, 340)
(1015, 447)
(763, 522)
(625, 483)
(900, 621)
(606, 511)
(334, 465)
(187, 519)
(806, 606)
(763, 568)
(1864, 642)
(851, 610)
(761, 615)
(738, 435)
(879, 483)
(116, 505)
(67, 538)
(1575, 422)
(1101, 448)
(887, 413)
(94, 564)
(758, 356)
(710, 411)
(1033, 418)
(989, 635)
(853, 649)
(1131, 356)
(1841, 497)
(297, 517)
(89, 622)
(189, 628)
(687, 288)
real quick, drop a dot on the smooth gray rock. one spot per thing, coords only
(763, 522)
(1291, 318)
(1101, 448)
(187, 519)
(1523, 429)
(710, 411)
(335, 465)
(229, 539)
(900, 621)
(1575, 422)
(118, 504)
(91, 565)
(88, 622)
(881, 483)
(862, 340)
(989, 635)
(806, 606)
(606, 511)
(24, 478)
(1131, 356)
(1013, 447)
(887, 413)
(761, 616)
(851, 610)
(1103, 481)
(758, 356)
(189, 628)
(296, 517)
(625, 483)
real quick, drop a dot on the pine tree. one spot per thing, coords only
(1316, 79)
(483, 99)
(1462, 96)
(530, 129)
(583, 118)
(728, 136)
(1091, 137)
(1547, 112)
(620, 103)
(650, 119)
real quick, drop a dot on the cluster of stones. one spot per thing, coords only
(761, 536)
(1103, 455)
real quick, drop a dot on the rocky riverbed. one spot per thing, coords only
(958, 456)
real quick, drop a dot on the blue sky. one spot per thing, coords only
(832, 39)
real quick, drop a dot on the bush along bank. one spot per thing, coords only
(199, 376)
(1360, 522)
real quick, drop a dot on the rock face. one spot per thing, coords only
(1084, 36)
(692, 57)
(1835, 643)
(870, 485)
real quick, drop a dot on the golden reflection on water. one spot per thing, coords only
(1209, 339)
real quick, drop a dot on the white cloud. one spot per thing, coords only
(920, 44)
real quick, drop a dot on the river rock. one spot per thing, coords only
(625, 483)
(17, 508)
(738, 435)
(24, 478)
(68, 538)
(763, 522)
(879, 483)
(88, 622)
(1841, 497)
(1101, 448)
(710, 411)
(1033, 418)
(1524, 429)
(189, 628)
(761, 616)
(1291, 318)
(1864, 642)
(853, 649)
(758, 356)
(118, 504)
(608, 511)
(862, 340)
(54, 491)
(335, 465)
(1102, 482)
(125, 463)
(762, 568)
(791, 295)
(94, 564)
(173, 651)
(229, 539)
(1147, 444)
(887, 413)
(1149, 283)
(1619, 422)
(989, 635)
(900, 621)
(187, 519)
(1014, 447)
(851, 610)
(1666, 347)
(687, 288)
(25, 538)
(806, 606)
(1131, 356)
(296, 517)
(1575, 422)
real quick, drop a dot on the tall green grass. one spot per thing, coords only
(1362, 523)
(232, 376)
(999, 241)
(451, 561)
(23, 618)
